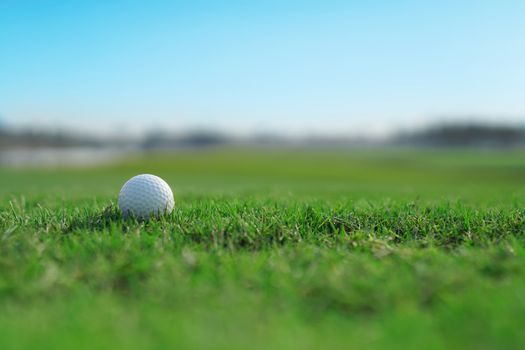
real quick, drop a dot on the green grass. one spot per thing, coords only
(269, 249)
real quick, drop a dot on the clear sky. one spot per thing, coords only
(245, 66)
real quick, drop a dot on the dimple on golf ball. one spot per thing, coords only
(144, 196)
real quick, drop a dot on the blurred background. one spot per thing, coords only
(239, 83)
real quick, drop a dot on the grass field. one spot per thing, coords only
(269, 249)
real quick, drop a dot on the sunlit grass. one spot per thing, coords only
(269, 249)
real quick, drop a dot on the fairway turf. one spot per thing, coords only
(269, 249)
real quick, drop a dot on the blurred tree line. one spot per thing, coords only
(445, 135)
(464, 135)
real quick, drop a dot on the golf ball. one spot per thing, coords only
(145, 195)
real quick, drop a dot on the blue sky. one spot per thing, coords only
(244, 66)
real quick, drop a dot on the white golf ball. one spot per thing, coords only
(145, 195)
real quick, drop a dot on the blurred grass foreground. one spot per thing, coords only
(282, 246)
